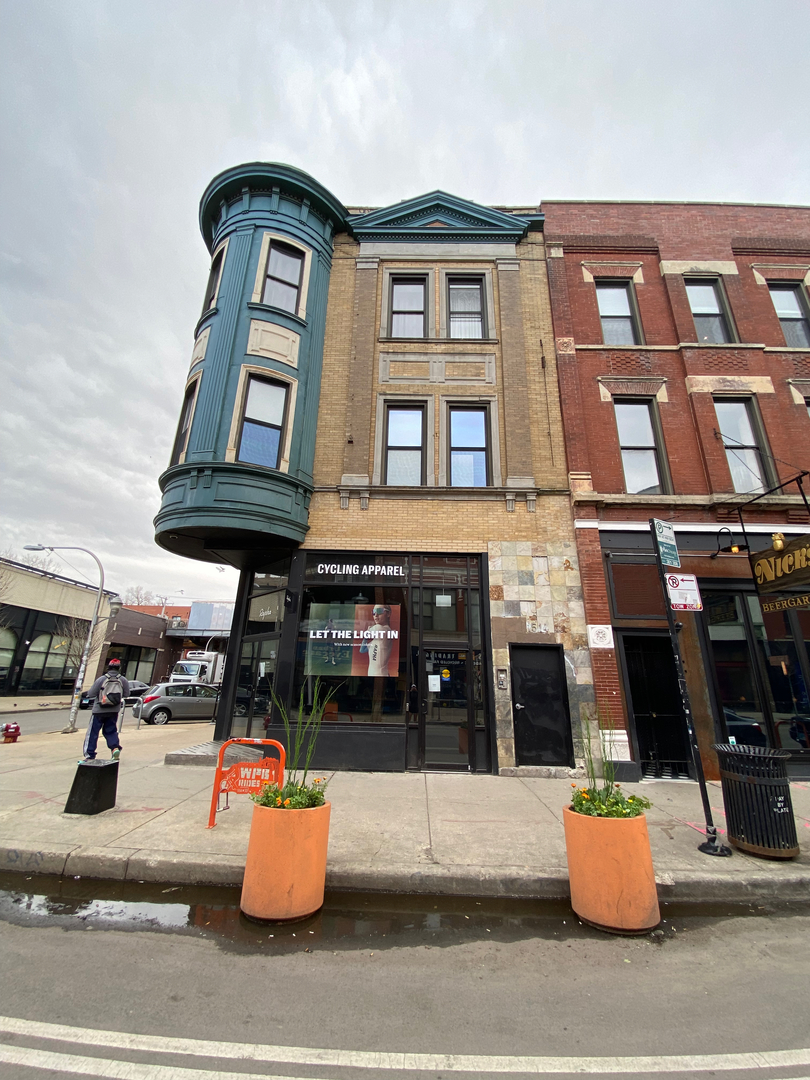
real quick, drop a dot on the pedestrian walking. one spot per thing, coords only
(110, 691)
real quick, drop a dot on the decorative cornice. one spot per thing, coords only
(439, 217)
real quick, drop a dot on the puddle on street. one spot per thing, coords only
(346, 921)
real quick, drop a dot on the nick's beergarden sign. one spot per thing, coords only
(785, 565)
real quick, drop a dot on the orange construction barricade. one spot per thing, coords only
(244, 777)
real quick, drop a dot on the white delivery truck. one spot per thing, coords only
(204, 667)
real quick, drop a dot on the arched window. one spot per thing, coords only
(8, 646)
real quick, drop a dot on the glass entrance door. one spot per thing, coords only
(253, 703)
(447, 731)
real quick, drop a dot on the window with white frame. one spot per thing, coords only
(263, 422)
(738, 429)
(284, 270)
(405, 444)
(617, 313)
(790, 303)
(408, 307)
(184, 427)
(469, 452)
(712, 324)
(465, 307)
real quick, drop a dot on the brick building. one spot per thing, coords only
(371, 433)
(683, 351)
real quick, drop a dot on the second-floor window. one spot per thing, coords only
(708, 312)
(616, 313)
(641, 456)
(743, 451)
(408, 307)
(791, 308)
(263, 422)
(181, 439)
(469, 446)
(466, 308)
(282, 285)
(405, 445)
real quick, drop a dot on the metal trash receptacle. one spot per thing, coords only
(756, 794)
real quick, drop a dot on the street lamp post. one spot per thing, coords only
(115, 607)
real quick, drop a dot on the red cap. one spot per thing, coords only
(113, 663)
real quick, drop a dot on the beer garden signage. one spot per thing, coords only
(776, 571)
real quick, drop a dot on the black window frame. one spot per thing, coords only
(467, 280)
(724, 311)
(458, 406)
(632, 302)
(184, 423)
(214, 275)
(405, 406)
(659, 446)
(769, 477)
(799, 291)
(290, 250)
(282, 428)
(408, 279)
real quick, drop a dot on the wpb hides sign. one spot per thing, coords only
(353, 639)
(775, 571)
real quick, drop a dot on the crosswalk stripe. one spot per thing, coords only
(365, 1059)
(117, 1070)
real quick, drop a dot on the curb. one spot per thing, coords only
(193, 868)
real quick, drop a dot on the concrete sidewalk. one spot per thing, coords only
(437, 833)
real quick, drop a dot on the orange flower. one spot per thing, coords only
(573, 785)
(586, 796)
(278, 801)
(286, 802)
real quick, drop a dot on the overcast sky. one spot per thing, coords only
(115, 115)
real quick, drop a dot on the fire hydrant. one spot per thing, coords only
(11, 732)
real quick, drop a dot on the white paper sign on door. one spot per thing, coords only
(434, 684)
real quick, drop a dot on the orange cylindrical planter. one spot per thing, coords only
(610, 872)
(285, 870)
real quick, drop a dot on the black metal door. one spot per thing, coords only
(655, 703)
(540, 706)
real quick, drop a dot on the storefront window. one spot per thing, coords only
(35, 662)
(779, 654)
(355, 640)
(736, 682)
(8, 645)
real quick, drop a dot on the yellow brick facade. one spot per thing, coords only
(521, 525)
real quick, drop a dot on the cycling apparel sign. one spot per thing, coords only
(353, 639)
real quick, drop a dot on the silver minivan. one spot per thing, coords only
(176, 701)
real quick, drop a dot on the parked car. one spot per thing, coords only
(136, 691)
(747, 730)
(176, 701)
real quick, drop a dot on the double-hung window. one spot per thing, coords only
(619, 326)
(181, 439)
(743, 451)
(469, 446)
(282, 285)
(263, 422)
(408, 307)
(791, 308)
(405, 445)
(708, 311)
(212, 288)
(465, 302)
(641, 456)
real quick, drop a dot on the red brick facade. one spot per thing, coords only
(654, 247)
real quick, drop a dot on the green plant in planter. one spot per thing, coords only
(297, 794)
(603, 797)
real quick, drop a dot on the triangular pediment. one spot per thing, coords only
(438, 216)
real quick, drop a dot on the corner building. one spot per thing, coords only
(371, 433)
(683, 345)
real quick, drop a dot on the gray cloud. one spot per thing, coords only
(115, 116)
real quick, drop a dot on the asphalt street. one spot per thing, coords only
(385, 991)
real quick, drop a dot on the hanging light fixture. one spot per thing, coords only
(731, 548)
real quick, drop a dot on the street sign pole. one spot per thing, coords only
(712, 845)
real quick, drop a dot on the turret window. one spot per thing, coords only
(184, 427)
(214, 275)
(282, 286)
(263, 422)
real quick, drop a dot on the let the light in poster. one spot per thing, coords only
(353, 639)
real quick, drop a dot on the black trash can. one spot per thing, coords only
(756, 793)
